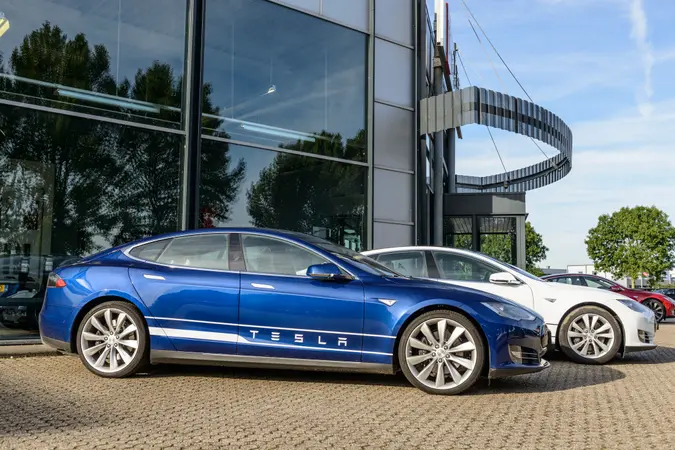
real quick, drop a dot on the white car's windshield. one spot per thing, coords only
(512, 267)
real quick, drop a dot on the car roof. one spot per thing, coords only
(419, 248)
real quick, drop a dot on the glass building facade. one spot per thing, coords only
(121, 119)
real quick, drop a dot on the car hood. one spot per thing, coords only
(588, 292)
(451, 291)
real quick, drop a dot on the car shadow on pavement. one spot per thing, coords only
(287, 375)
(562, 375)
(660, 355)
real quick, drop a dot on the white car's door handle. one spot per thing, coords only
(262, 286)
(153, 277)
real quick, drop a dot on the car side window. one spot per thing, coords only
(149, 251)
(205, 251)
(412, 264)
(276, 257)
(596, 283)
(463, 268)
(575, 281)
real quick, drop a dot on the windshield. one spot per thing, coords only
(361, 261)
(514, 268)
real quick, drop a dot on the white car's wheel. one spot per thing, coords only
(590, 335)
(111, 340)
(441, 352)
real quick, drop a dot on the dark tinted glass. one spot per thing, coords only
(412, 264)
(149, 252)
(70, 187)
(207, 251)
(462, 268)
(274, 256)
(119, 58)
(243, 186)
(278, 77)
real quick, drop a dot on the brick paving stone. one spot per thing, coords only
(55, 403)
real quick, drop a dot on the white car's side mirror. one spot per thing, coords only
(504, 278)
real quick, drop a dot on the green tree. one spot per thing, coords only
(305, 194)
(501, 246)
(631, 241)
(92, 179)
(535, 250)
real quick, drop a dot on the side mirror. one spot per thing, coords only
(504, 278)
(616, 288)
(326, 272)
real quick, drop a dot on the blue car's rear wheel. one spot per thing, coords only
(441, 352)
(111, 340)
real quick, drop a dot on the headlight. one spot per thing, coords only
(509, 311)
(635, 306)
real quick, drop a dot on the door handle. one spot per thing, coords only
(262, 286)
(153, 277)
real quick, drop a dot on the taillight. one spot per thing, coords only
(55, 281)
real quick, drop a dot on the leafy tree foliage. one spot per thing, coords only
(631, 241)
(304, 194)
(501, 246)
(89, 183)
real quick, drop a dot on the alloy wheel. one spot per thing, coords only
(441, 353)
(591, 336)
(109, 340)
(657, 307)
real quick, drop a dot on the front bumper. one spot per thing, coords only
(640, 332)
(520, 351)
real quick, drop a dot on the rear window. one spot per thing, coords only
(150, 251)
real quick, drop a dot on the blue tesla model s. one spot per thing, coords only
(267, 298)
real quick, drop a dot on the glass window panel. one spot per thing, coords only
(273, 256)
(201, 252)
(278, 77)
(70, 187)
(243, 186)
(412, 264)
(119, 58)
(150, 252)
(463, 268)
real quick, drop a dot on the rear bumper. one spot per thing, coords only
(55, 343)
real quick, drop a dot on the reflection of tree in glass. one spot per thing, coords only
(304, 194)
(113, 181)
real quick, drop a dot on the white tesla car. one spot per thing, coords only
(590, 326)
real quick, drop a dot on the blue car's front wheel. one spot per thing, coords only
(441, 352)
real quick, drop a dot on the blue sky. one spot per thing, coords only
(605, 67)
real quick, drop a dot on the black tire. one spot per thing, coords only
(564, 338)
(139, 360)
(476, 337)
(658, 308)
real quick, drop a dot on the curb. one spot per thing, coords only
(18, 351)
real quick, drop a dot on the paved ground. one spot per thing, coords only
(53, 402)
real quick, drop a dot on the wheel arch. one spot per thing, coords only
(598, 305)
(441, 307)
(91, 304)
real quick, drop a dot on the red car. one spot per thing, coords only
(662, 305)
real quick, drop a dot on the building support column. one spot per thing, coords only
(192, 103)
(437, 229)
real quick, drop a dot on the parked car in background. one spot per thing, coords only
(668, 292)
(590, 326)
(280, 299)
(662, 305)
